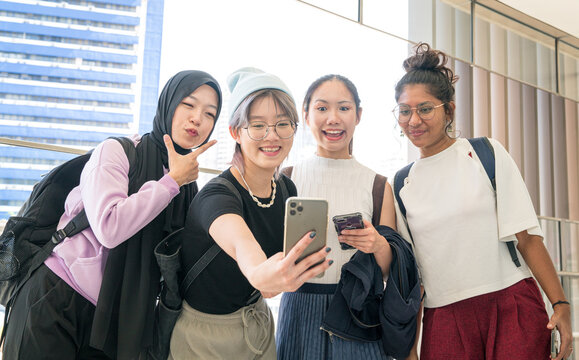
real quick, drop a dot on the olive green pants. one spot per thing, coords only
(247, 333)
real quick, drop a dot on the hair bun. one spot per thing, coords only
(427, 59)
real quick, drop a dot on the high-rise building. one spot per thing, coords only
(72, 72)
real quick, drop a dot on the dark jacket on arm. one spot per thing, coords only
(362, 309)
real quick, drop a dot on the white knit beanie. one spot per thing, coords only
(248, 80)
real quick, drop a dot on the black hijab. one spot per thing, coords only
(123, 320)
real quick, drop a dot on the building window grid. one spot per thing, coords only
(36, 57)
(60, 100)
(65, 40)
(67, 20)
(23, 160)
(26, 182)
(107, 64)
(42, 119)
(64, 80)
(17, 203)
(66, 60)
(100, 5)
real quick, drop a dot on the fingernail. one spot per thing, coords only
(330, 262)
(328, 249)
(312, 234)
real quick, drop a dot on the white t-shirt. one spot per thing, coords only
(347, 185)
(452, 214)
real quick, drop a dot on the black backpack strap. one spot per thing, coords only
(74, 226)
(283, 188)
(378, 198)
(210, 254)
(80, 221)
(486, 153)
(287, 171)
(399, 178)
(199, 266)
(129, 147)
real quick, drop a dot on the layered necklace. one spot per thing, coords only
(273, 187)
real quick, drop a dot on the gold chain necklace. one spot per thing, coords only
(273, 187)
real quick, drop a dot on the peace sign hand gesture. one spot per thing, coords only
(184, 169)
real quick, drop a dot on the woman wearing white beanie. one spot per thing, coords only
(224, 315)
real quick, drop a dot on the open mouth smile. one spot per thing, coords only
(334, 134)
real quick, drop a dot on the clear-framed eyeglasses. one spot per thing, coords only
(425, 111)
(258, 130)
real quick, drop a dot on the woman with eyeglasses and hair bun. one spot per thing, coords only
(480, 300)
(224, 315)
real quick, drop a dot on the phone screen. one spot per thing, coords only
(347, 221)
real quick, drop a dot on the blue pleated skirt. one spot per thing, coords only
(299, 336)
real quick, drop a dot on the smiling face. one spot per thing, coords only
(269, 152)
(332, 117)
(194, 117)
(430, 136)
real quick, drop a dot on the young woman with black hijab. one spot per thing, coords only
(94, 297)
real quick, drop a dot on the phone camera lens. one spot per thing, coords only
(300, 208)
(292, 212)
(293, 204)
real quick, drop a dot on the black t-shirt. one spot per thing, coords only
(221, 288)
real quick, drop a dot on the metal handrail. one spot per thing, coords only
(571, 274)
(35, 145)
(69, 150)
(541, 217)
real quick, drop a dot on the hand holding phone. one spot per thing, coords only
(347, 221)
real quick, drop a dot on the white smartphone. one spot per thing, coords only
(555, 342)
(303, 215)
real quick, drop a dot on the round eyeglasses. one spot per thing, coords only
(425, 111)
(258, 130)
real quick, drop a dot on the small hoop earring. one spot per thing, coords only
(401, 133)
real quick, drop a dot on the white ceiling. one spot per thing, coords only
(562, 14)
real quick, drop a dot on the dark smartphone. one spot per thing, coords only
(348, 221)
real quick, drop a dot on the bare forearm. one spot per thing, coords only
(539, 261)
(388, 218)
(242, 246)
(249, 258)
(384, 258)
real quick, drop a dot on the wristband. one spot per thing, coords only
(560, 302)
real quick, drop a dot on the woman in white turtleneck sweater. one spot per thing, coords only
(332, 110)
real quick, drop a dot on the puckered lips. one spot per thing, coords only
(334, 134)
(192, 132)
